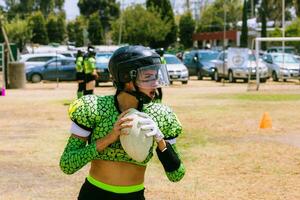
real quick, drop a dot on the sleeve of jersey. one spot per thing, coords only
(83, 112)
(76, 155)
(171, 128)
(179, 173)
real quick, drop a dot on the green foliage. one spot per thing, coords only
(56, 28)
(297, 7)
(186, 30)
(18, 32)
(244, 34)
(46, 6)
(147, 28)
(293, 30)
(95, 29)
(212, 17)
(163, 9)
(23, 8)
(78, 29)
(71, 31)
(38, 26)
(108, 10)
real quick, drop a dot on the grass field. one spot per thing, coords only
(227, 156)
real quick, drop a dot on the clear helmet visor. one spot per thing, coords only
(152, 77)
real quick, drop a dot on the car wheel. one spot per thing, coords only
(171, 82)
(231, 77)
(216, 76)
(96, 83)
(274, 76)
(284, 80)
(199, 75)
(184, 82)
(36, 78)
(246, 80)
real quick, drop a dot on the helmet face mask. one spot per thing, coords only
(152, 77)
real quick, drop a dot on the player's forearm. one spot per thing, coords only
(171, 161)
(76, 155)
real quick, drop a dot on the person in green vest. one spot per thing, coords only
(90, 71)
(80, 74)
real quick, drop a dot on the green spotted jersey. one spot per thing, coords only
(98, 115)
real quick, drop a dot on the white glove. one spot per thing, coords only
(150, 127)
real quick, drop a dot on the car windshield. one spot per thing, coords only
(103, 58)
(172, 60)
(207, 56)
(251, 57)
(286, 58)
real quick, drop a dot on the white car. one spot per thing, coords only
(232, 73)
(282, 66)
(176, 69)
(38, 59)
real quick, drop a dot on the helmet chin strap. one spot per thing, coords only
(140, 96)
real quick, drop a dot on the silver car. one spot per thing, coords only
(282, 66)
(232, 73)
(176, 69)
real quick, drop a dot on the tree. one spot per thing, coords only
(56, 28)
(46, 6)
(244, 34)
(297, 7)
(212, 17)
(25, 7)
(38, 26)
(108, 10)
(186, 29)
(293, 30)
(71, 31)
(79, 27)
(263, 16)
(95, 29)
(18, 32)
(147, 28)
(164, 9)
(61, 26)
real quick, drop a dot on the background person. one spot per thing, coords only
(90, 71)
(137, 72)
(80, 74)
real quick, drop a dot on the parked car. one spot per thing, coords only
(279, 49)
(199, 63)
(102, 60)
(71, 54)
(62, 69)
(232, 73)
(282, 66)
(38, 59)
(176, 69)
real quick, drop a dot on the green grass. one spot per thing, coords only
(257, 97)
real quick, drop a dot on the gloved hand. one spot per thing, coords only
(150, 127)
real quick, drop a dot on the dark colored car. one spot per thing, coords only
(102, 60)
(61, 69)
(199, 63)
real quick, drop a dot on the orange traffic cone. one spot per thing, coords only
(266, 121)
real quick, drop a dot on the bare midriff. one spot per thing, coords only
(117, 173)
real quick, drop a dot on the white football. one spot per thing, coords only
(135, 143)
